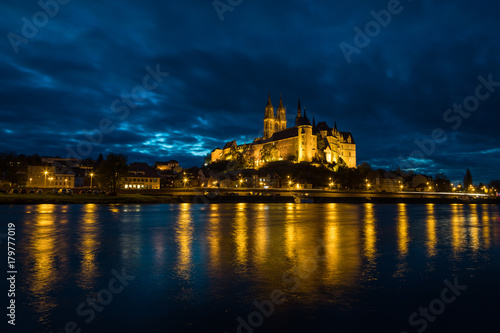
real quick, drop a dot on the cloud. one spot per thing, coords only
(63, 81)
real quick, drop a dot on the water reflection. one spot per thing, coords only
(403, 237)
(370, 233)
(261, 235)
(403, 240)
(431, 230)
(194, 251)
(89, 242)
(184, 239)
(457, 227)
(240, 234)
(214, 237)
(486, 226)
(474, 228)
(41, 242)
(341, 246)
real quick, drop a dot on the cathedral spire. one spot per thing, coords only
(281, 103)
(299, 115)
(269, 108)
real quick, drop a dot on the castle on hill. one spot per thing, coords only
(301, 143)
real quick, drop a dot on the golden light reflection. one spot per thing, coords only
(474, 228)
(290, 234)
(332, 248)
(89, 232)
(42, 254)
(261, 236)
(370, 233)
(431, 230)
(240, 235)
(403, 238)
(457, 224)
(486, 227)
(114, 209)
(214, 237)
(184, 239)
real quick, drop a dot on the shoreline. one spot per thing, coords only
(148, 198)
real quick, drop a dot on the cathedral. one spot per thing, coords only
(304, 142)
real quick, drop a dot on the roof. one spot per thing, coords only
(284, 134)
(166, 163)
(230, 144)
(390, 175)
(304, 121)
(346, 135)
(144, 167)
(322, 126)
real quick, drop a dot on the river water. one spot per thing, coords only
(256, 267)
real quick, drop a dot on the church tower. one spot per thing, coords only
(269, 120)
(299, 116)
(281, 121)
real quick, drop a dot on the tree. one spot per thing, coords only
(441, 175)
(269, 153)
(467, 180)
(111, 170)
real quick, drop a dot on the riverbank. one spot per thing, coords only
(27, 199)
(149, 198)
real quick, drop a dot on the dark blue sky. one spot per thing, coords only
(70, 74)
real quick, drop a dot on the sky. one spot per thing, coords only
(417, 83)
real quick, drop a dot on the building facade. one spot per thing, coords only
(141, 177)
(50, 176)
(304, 142)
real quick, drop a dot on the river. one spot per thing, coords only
(256, 267)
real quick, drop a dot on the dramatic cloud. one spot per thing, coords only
(80, 73)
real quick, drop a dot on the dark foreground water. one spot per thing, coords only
(256, 268)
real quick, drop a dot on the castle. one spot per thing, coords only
(301, 143)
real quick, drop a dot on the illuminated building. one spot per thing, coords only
(304, 142)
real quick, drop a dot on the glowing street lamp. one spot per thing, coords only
(50, 179)
(30, 181)
(45, 172)
(185, 182)
(91, 176)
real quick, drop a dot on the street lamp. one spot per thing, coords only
(45, 172)
(91, 176)
(66, 183)
(30, 181)
(50, 179)
(185, 182)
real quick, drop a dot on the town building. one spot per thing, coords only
(303, 142)
(141, 177)
(171, 165)
(50, 176)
